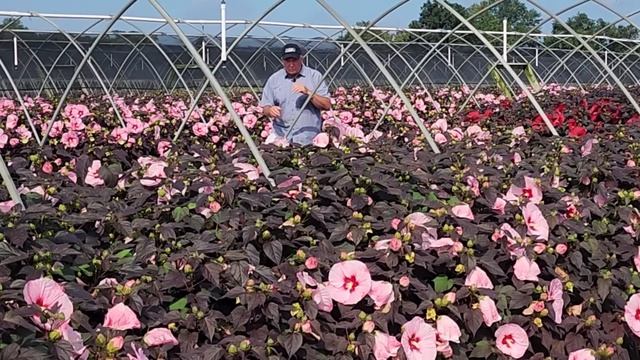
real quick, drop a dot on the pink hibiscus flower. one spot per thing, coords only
(418, 340)
(349, 282)
(512, 340)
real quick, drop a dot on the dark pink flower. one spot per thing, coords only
(349, 282)
(561, 249)
(512, 340)
(311, 262)
(418, 340)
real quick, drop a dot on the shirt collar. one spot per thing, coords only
(296, 76)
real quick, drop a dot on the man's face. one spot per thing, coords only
(292, 65)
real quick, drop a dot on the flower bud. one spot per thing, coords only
(54, 335)
(245, 345)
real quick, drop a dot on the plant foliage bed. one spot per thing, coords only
(511, 243)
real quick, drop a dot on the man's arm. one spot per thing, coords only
(319, 101)
(267, 101)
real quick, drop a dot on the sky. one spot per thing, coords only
(298, 11)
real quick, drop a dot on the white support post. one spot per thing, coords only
(449, 62)
(223, 30)
(537, 56)
(606, 57)
(203, 48)
(504, 39)
(341, 55)
(15, 51)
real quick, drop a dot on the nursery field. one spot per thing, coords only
(511, 243)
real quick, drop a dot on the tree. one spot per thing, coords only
(14, 24)
(369, 35)
(519, 18)
(582, 24)
(434, 16)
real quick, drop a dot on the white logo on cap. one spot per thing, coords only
(289, 50)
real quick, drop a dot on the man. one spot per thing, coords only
(287, 90)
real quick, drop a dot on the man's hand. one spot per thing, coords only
(272, 111)
(299, 88)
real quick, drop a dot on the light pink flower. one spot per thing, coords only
(70, 139)
(6, 206)
(418, 340)
(636, 259)
(138, 353)
(417, 219)
(48, 295)
(582, 354)
(93, 174)
(404, 281)
(531, 191)
(349, 282)
(200, 129)
(249, 170)
(536, 223)
(11, 122)
(448, 329)
(474, 185)
(162, 147)
(525, 269)
(517, 159)
(159, 336)
(555, 294)
(478, 278)
(228, 146)
(322, 297)
(632, 314)
(385, 346)
(121, 317)
(382, 293)
(249, 121)
(512, 340)
(74, 338)
(499, 205)
(462, 211)
(587, 147)
(489, 311)
(321, 140)
(154, 171)
(440, 138)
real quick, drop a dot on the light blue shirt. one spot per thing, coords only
(278, 91)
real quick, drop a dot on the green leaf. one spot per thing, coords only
(416, 196)
(453, 201)
(179, 213)
(123, 254)
(179, 304)
(191, 206)
(432, 197)
(481, 350)
(442, 283)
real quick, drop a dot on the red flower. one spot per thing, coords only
(577, 131)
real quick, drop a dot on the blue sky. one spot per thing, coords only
(303, 11)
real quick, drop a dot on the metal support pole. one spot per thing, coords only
(15, 51)
(537, 56)
(218, 89)
(223, 30)
(504, 39)
(8, 182)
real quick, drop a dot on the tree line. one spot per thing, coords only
(486, 15)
